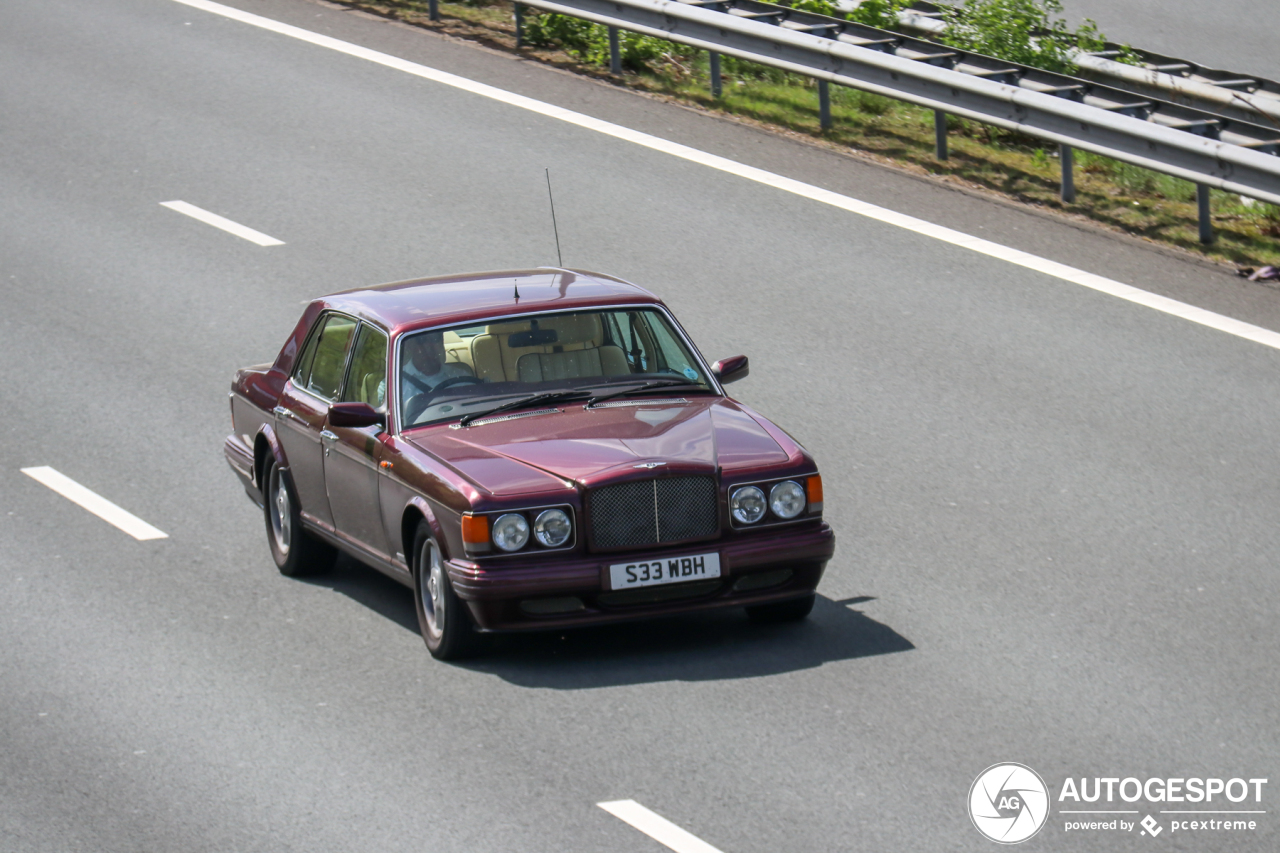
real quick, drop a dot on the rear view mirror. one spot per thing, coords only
(731, 369)
(355, 415)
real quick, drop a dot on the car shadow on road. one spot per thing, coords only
(372, 589)
(695, 647)
(708, 646)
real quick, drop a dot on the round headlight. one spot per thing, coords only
(786, 499)
(510, 532)
(747, 504)
(552, 527)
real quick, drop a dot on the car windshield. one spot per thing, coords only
(447, 374)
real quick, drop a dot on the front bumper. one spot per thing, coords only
(499, 596)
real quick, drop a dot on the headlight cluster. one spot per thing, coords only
(785, 500)
(511, 531)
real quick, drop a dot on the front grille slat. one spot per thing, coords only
(653, 512)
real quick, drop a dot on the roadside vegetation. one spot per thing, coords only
(1128, 198)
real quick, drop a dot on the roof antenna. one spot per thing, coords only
(552, 199)
(515, 282)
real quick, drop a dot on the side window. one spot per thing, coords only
(324, 372)
(367, 379)
(303, 369)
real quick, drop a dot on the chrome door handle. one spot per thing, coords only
(331, 436)
(281, 412)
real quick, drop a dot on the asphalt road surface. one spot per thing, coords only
(1056, 510)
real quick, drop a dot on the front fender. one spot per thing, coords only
(420, 507)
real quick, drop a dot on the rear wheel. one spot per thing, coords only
(782, 611)
(442, 617)
(297, 553)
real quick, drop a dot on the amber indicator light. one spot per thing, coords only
(814, 487)
(475, 529)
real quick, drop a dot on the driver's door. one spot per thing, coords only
(352, 456)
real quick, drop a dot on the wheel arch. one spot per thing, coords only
(266, 445)
(418, 509)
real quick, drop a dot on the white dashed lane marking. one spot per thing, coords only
(222, 222)
(657, 827)
(95, 503)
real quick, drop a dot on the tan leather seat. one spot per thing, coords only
(578, 336)
(577, 352)
(551, 366)
(491, 358)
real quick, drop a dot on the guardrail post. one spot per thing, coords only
(433, 10)
(940, 134)
(615, 52)
(1068, 158)
(824, 104)
(717, 88)
(519, 25)
(1206, 223)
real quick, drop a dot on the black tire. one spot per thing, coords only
(443, 619)
(783, 611)
(297, 553)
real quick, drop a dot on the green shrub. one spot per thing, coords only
(1135, 179)
(817, 7)
(745, 69)
(879, 13)
(864, 102)
(590, 42)
(1021, 31)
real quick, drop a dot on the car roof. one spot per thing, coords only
(449, 300)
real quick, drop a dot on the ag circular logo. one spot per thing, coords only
(1008, 803)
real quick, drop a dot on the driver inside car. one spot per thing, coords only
(423, 366)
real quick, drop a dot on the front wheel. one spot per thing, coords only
(442, 617)
(297, 553)
(782, 611)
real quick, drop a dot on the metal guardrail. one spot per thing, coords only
(1243, 132)
(1205, 148)
(1247, 97)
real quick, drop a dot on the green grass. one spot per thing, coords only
(1116, 195)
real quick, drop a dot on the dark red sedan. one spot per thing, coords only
(526, 449)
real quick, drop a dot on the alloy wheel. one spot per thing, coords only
(432, 586)
(281, 512)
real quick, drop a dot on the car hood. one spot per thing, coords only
(540, 452)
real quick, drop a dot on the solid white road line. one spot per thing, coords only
(221, 222)
(657, 827)
(96, 504)
(919, 226)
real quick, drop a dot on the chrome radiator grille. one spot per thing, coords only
(651, 512)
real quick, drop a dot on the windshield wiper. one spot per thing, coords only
(657, 383)
(546, 397)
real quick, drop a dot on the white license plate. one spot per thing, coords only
(666, 570)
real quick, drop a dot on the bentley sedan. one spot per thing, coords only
(526, 450)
